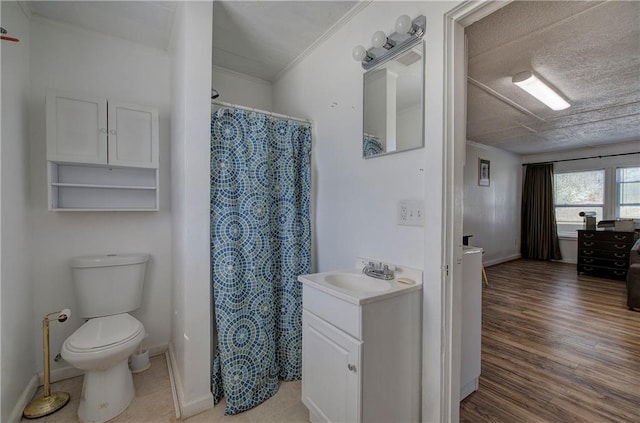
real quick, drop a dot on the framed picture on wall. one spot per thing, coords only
(484, 172)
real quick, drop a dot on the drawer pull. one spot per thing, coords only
(588, 235)
(619, 246)
(620, 237)
(587, 252)
(619, 255)
(588, 268)
(587, 244)
(351, 367)
(619, 272)
(588, 260)
(619, 263)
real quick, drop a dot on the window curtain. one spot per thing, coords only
(539, 233)
(260, 243)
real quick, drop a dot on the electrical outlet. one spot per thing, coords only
(411, 213)
(404, 215)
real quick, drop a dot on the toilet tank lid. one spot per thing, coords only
(109, 260)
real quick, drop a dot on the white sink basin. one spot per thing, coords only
(355, 282)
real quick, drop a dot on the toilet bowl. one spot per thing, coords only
(107, 288)
(101, 347)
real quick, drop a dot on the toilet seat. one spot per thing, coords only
(103, 333)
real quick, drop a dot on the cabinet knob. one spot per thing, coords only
(351, 367)
(103, 130)
(112, 132)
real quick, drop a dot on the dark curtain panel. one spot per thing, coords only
(539, 234)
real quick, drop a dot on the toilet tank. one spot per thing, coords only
(108, 284)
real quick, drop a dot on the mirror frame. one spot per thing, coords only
(422, 98)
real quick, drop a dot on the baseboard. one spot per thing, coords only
(501, 260)
(173, 374)
(23, 400)
(193, 407)
(158, 349)
(62, 373)
(570, 261)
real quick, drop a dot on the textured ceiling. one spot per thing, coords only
(261, 38)
(143, 22)
(589, 51)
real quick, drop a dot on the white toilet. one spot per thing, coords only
(107, 288)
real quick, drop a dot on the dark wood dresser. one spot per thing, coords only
(604, 253)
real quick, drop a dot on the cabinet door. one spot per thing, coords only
(133, 135)
(76, 129)
(330, 371)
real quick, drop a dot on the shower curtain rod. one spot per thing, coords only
(582, 158)
(264, 112)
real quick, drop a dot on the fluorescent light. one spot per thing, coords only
(531, 84)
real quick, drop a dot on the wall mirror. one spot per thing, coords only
(394, 104)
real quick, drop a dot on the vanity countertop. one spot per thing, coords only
(384, 289)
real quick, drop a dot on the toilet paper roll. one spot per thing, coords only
(64, 315)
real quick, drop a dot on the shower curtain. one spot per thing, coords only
(260, 243)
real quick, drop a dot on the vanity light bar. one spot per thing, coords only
(385, 47)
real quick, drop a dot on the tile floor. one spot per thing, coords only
(154, 402)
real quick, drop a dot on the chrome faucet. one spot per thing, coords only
(378, 271)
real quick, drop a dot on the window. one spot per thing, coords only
(575, 192)
(628, 189)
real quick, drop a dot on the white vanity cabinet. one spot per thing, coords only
(101, 154)
(360, 356)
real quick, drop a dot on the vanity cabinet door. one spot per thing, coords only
(76, 129)
(331, 372)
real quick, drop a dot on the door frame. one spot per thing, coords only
(455, 108)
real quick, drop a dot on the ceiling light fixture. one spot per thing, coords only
(407, 32)
(534, 86)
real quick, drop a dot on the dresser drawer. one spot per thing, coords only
(595, 261)
(605, 245)
(613, 236)
(610, 255)
(605, 272)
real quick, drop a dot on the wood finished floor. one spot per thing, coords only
(556, 347)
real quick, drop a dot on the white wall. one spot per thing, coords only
(191, 335)
(17, 354)
(355, 200)
(68, 58)
(241, 89)
(492, 214)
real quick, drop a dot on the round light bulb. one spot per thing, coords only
(379, 39)
(359, 53)
(403, 24)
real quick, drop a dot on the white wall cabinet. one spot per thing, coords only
(102, 154)
(361, 362)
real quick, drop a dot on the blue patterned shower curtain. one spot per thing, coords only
(260, 243)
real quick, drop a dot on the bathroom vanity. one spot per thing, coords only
(361, 346)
